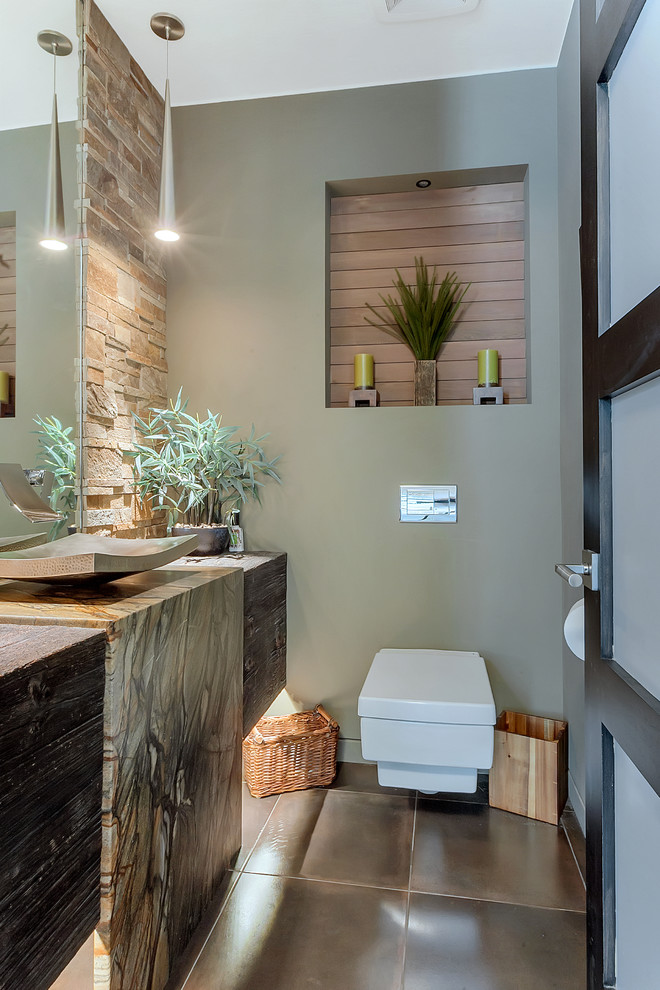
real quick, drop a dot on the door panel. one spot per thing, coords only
(621, 383)
(637, 825)
(634, 131)
(636, 532)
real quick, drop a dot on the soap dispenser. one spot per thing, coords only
(236, 539)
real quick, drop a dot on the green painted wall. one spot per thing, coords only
(46, 334)
(570, 320)
(246, 330)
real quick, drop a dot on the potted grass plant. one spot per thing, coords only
(57, 453)
(421, 318)
(198, 471)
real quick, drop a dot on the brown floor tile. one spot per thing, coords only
(576, 838)
(363, 777)
(480, 796)
(474, 851)
(456, 944)
(256, 812)
(285, 934)
(186, 961)
(337, 835)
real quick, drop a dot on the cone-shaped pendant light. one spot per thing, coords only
(54, 236)
(170, 28)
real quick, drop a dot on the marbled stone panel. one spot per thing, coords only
(172, 778)
(172, 753)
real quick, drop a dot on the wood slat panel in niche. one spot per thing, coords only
(415, 237)
(422, 199)
(480, 272)
(476, 231)
(453, 254)
(8, 300)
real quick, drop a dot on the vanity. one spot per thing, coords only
(165, 653)
(51, 759)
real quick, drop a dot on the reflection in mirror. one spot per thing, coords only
(38, 288)
(7, 315)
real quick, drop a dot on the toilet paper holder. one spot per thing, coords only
(585, 573)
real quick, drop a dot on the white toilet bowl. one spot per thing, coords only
(427, 718)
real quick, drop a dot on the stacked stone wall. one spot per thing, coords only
(124, 367)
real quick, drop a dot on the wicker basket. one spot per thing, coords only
(291, 752)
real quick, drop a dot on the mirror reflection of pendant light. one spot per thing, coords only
(170, 28)
(54, 237)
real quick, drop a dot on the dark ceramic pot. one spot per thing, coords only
(211, 540)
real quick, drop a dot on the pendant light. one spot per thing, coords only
(170, 28)
(54, 237)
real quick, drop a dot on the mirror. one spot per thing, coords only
(38, 287)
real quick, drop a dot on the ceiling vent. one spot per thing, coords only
(394, 11)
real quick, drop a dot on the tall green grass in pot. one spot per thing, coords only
(421, 318)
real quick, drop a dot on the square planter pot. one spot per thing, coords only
(425, 383)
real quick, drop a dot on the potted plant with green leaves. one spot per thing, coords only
(57, 453)
(198, 471)
(421, 318)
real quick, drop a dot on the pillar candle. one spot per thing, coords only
(4, 386)
(363, 372)
(487, 362)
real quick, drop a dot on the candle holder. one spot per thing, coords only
(363, 397)
(488, 391)
(364, 393)
(488, 395)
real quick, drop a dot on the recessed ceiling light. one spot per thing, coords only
(423, 183)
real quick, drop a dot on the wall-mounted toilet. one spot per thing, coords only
(427, 719)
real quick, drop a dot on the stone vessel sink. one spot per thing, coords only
(84, 557)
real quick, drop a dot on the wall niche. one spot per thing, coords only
(472, 222)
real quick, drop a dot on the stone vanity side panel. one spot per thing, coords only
(124, 367)
(172, 778)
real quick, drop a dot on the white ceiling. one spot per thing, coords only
(255, 48)
(26, 72)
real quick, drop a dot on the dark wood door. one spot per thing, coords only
(621, 350)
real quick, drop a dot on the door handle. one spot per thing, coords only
(577, 574)
(571, 573)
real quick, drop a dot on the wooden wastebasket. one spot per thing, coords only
(530, 766)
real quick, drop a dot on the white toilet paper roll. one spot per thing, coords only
(574, 629)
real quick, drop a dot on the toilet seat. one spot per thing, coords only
(428, 686)
(427, 719)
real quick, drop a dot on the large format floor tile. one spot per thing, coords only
(475, 851)
(461, 944)
(256, 812)
(363, 777)
(285, 934)
(336, 835)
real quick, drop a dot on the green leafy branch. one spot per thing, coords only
(57, 453)
(195, 469)
(424, 313)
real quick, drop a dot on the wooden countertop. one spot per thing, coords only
(24, 646)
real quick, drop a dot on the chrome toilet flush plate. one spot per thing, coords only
(428, 503)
